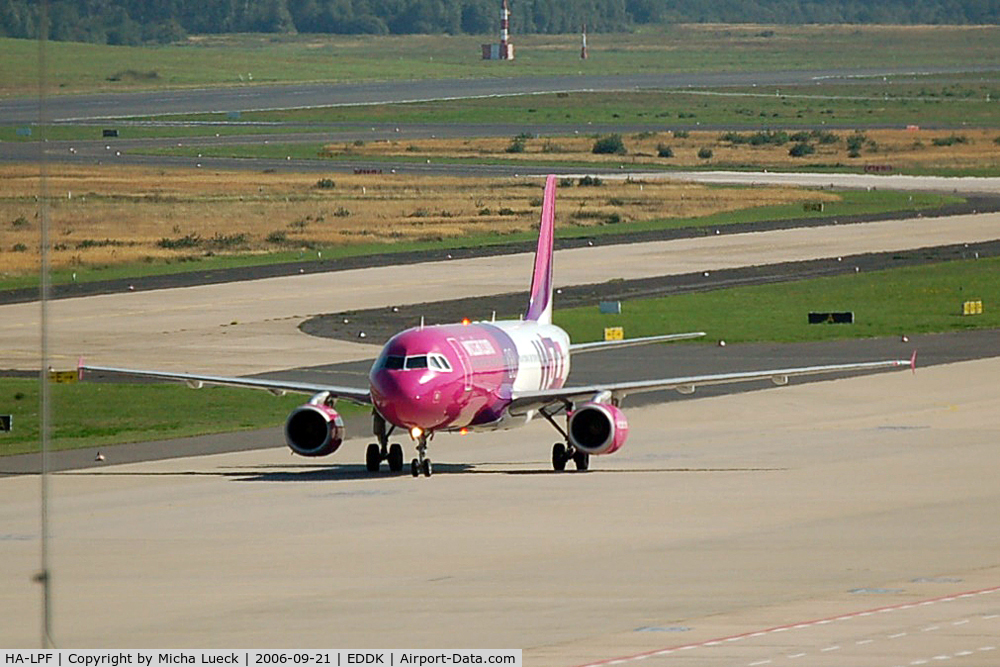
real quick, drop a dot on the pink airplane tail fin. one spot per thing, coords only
(540, 300)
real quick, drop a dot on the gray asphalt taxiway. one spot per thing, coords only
(850, 522)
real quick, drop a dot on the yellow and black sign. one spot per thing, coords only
(972, 308)
(614, 333)
(63, 377)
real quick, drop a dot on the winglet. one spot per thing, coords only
(913, 362)
(540, 299)
(79, 369)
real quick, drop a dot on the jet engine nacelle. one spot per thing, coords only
(598, 428)
(314, 430)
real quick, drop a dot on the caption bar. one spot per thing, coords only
(255, 658)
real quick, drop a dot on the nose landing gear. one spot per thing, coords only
(421, 464)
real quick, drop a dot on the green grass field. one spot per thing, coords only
(939, 100)
(909, 300)
(236, 59)
(853, 202)
(99, 414)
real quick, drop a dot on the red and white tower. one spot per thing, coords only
(506, 49)
(583, 49)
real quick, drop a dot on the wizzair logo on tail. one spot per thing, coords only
(479, 348)
(551, 360)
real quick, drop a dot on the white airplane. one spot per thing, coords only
(484, 376)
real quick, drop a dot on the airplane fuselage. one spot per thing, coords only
(462, 376)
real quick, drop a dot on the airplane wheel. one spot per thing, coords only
(395, 457)
(559, 457)
(373, 457)
(414, 467)
(428, 470)
(582, 460)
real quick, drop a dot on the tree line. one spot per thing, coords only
(138, 21)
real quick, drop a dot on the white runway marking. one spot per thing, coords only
(826, 621)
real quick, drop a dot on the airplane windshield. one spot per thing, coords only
(393, 362)
(416, 362)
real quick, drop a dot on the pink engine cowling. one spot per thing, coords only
(598, 428)
(314, 430)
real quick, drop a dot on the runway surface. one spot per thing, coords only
(839, 523)
(62, 108)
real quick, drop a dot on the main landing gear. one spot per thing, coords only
(563, 453)
(382, 450)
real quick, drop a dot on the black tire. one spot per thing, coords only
(582, 460)
(395, 457)
(415, 467)
(373, 457)
(427, 468)
(559, 457)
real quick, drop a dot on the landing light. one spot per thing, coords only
(465, 321)
(416, 432)
(463, 431)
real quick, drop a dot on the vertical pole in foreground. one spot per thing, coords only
(43, 576)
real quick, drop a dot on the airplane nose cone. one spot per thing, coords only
(404, 400)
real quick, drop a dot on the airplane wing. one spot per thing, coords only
(278, 387)
(523, 402)
(629, 342)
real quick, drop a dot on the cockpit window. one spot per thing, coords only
(393, 362)
(416, 362)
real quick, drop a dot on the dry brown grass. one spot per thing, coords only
(113, 215)
(898, 148)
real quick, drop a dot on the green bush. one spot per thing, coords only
(183, 242)
(611, 144)
(950, 140)
(516, 145)
(801, 149)
(662, 150)
(705, 153)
